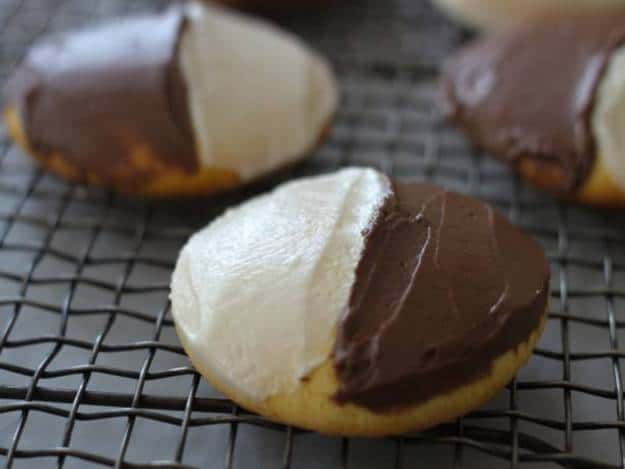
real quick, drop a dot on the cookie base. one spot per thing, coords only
(163, 181)
(598, 190)
(312, 407)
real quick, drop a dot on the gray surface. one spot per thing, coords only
(84, 275)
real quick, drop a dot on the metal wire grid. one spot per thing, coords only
(91, 372)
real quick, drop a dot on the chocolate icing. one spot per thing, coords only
(95, 96)
(445, 285)
(527, 96)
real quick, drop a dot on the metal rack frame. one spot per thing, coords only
(389, 120)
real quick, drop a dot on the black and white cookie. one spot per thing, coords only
(352, 304)
(188, 101)
(549, 100)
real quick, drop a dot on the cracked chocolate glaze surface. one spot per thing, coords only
(527, 96)
(445, 285)
(97, 96)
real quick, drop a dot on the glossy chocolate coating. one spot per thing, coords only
(111, 100)
(445, 285)
(527, 96)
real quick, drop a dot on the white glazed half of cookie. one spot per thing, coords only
(503, 14)
(351, 304)
(188, 101)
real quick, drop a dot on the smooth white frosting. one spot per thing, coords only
(608, 118)
(502, 14)
(257, 294)
(259, 98)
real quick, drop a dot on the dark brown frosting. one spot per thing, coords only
(445, 285)
(95, 96)
(527, 96)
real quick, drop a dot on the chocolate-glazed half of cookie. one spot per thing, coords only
(549, 100)
(351, 304)
(189, 101)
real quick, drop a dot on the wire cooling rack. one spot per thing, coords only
(91, 373)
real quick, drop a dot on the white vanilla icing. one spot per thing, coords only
(259, 98)
(608, 118)
(257, 294)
